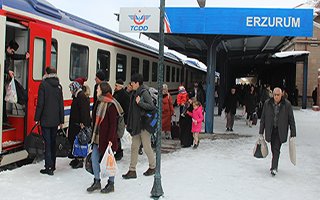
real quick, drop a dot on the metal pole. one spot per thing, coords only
(157, 190)
(305, 82)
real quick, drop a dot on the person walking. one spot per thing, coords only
(315, 96)
(250, 104)
(79, 118)
(277, 116)
(197, 118)
(230, 106)
(167, 112)
(122, 96)
(140, 102)
(50, 114)
(104, 117)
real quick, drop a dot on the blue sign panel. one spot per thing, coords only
(240, 21)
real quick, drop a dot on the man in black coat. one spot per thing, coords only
(277, 117)
(230, 105)
(50, 114)
(122, 96)
(11, 56)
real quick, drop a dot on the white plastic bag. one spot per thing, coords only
(292, 150)
(260, 149)
(11, 92)
(223, 114)
(108, 165)
(126, 139)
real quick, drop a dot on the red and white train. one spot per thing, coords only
(76, 48)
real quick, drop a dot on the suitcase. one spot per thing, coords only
(175, 130)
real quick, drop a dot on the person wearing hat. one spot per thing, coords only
(122, 96)
(230, 106)
(79, 117)
(85, 87)
(182, 98)
(100, 76)
(11, 48)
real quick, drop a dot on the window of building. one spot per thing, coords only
(103, 62)
(54, 53)
(146, 70)
(134, 65)
(39, 58)
(79, 61)
(121, 67)
(168, 73)
(173, 74)
(154, 72)
(178, 75)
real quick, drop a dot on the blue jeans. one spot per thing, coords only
(49, 135)
(95, 157)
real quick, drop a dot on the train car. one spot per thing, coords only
(76, 48)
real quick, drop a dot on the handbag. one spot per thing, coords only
(292, 150)
(11, 92)
(85, 135)
(88, 163)
(108, 163)
(34, 143)
(260, 149)
(63, 147)
(79, 150)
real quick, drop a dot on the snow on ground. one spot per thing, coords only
(219, 169)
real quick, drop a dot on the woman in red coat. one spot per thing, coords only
(104, 118)
(167, 112)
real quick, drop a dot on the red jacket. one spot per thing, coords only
(167, 112)
(182, 98)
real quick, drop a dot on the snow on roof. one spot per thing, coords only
(289, 53)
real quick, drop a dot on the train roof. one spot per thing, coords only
(46, 10)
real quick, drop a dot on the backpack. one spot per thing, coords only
(120, 118)
(154, 94)
(150, 117)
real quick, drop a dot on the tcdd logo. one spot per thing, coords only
(139, 20)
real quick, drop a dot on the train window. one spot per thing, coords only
(173, 74)
(79, 61)
(121, 67)
(39, 58)
(182, 74)
(103, 62)
(146, 70)
(54, 53)
(134, 65)
(178, 75)
(154, 72)
(168, 73)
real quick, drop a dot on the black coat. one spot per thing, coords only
(136, 111)
(123, 98)
(50, 110)
(185, 124)
(201, 96)
(79, 113)
(250, 103)
(285, 120)
(230, 103)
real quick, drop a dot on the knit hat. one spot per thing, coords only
(80, 80)
(74, 86)
(120, 82)
(101, 75)
(182, 89)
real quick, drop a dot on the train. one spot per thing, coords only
(76, 48)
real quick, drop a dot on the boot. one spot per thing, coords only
(96, 185)
(109, 187)
(129, 175)
(48, 171)
(78, 164)
(150, 172)
(73, 162)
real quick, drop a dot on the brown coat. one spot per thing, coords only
(167, 112)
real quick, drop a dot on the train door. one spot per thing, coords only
(40, 55)
(2, 57)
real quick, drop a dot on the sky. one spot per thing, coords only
(222, 169)
(102, 12)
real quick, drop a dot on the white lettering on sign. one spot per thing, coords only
(287, 22)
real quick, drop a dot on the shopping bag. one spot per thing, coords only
(11, 92)
(223, 115)
(260, 149)
(108, 165)
(88, 163)
(292, 150)
(63, 146)
(79, 150)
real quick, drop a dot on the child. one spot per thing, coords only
(182, 98)
(197, 118)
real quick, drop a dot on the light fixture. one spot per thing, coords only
(202, 3)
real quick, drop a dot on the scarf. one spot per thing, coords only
(101, 111)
